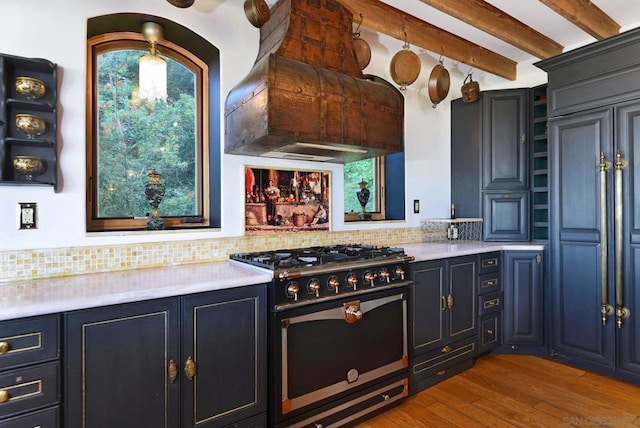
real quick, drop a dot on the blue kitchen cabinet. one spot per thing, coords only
(176, 362)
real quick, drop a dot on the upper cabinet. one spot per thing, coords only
(28, 121)
(490, 162)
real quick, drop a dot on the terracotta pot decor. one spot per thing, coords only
(439, 83)
(470, 90)
(361, 48)
(405, 66)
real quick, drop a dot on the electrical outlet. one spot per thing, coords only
(27, 215)
(416, 206)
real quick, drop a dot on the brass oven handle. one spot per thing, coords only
(606, 310)
(621, 311)
(190, 368)
(172, 371)
(4, 347)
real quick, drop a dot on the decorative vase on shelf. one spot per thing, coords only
(363, 198)
(154, 191)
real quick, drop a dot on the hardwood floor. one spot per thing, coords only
(518, 391)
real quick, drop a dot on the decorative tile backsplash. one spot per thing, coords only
(54, 262)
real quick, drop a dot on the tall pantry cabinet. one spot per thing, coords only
(594, 205)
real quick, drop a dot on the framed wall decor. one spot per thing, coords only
(289, 201)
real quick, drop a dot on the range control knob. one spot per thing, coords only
(314, 287)
(369, 277)
(384, 275)
(352, 281)
(293, 290)
(333, 283)
(399, 272)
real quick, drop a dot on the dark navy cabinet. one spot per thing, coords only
(443, 319)
(594, 237)
(490, 162)
(177, 362)
(523, 314)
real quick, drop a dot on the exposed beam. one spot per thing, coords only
(492, 20)
(585, 15)
(393, 22)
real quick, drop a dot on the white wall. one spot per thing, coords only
(57, 31)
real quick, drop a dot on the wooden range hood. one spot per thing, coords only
(306, 98)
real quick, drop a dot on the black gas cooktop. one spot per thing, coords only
(315, 256)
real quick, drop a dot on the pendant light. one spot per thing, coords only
(153, 69)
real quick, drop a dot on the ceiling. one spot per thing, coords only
(496, 35)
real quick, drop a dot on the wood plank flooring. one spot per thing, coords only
(518, 391)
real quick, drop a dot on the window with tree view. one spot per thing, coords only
(132, 136)
(367, 173)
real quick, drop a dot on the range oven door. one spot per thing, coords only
(326, 351)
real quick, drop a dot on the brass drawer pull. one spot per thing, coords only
(173, 371)
(4, 347)
(490, 332)
(190, 368)
(441, 373)
(4, 396)
(491, 303)
(446, 349)
(489, 262)
(489, 282)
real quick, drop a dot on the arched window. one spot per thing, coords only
(129, 137)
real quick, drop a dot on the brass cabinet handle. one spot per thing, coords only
(441, 373)
(444, 303)
(621, 311)
(4, 396)
(4, 347)
(490, 332)
(446, 349)
(450, 301)
(173, 371)
(606, 309)
(190, 368)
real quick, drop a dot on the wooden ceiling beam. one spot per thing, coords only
(492, 20)
(388, 20)
(586, 16)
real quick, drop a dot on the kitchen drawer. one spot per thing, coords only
(490, 333)
(29, 340)
(29, 388)
(440, 359)
(489, 303)
(489, 282)
(421, 383)
(490, 262)
(47, 418)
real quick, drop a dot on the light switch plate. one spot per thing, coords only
(416, 206)
(27, 215)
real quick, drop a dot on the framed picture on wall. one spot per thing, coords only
(286, 201)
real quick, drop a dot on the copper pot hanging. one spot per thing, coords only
(470, 90)
(257, 12)
(361, 48)
(439, 83)
(405, 66)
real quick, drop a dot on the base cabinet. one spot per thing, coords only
(443, 319)
(523, 329)
(178, 362)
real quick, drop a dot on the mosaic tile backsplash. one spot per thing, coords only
(55, 262)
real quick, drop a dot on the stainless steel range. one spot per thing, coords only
(337, 332)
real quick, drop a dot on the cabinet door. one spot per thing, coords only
(628, 134)
(506, 216)
(224, 335)
(523, 314)
(504, 131)
(461, 300)
(575, 238)
(117, 366)
(428, 303)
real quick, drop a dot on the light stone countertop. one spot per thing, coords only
(52, 295)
